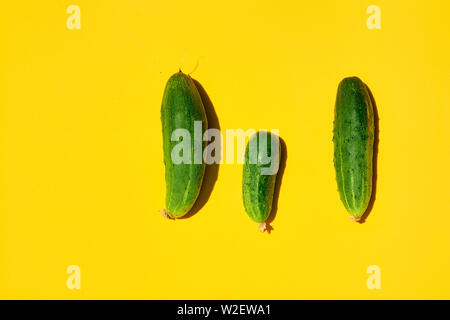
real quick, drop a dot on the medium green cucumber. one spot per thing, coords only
(257, 188)
(353, 145)
(181, 106)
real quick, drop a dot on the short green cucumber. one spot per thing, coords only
(353, 145)
(181, 107)
(258, 188)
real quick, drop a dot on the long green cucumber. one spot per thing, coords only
(353, 145)
(181, 107)
(258, 188)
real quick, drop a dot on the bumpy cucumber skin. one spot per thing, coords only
(181, 106)
(257, 189)
(353, 145)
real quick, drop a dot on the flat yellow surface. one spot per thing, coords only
(82, 172)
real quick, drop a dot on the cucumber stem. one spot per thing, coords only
(355, 219)
(165, 214)
(262, 226)
(195, 68)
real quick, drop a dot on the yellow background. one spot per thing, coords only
(82, 172)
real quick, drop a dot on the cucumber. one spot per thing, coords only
(181, 106)
(353, 145)
(258, 188)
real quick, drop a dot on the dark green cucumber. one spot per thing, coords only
(258, 188)
(181, 106)
(353, 145)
